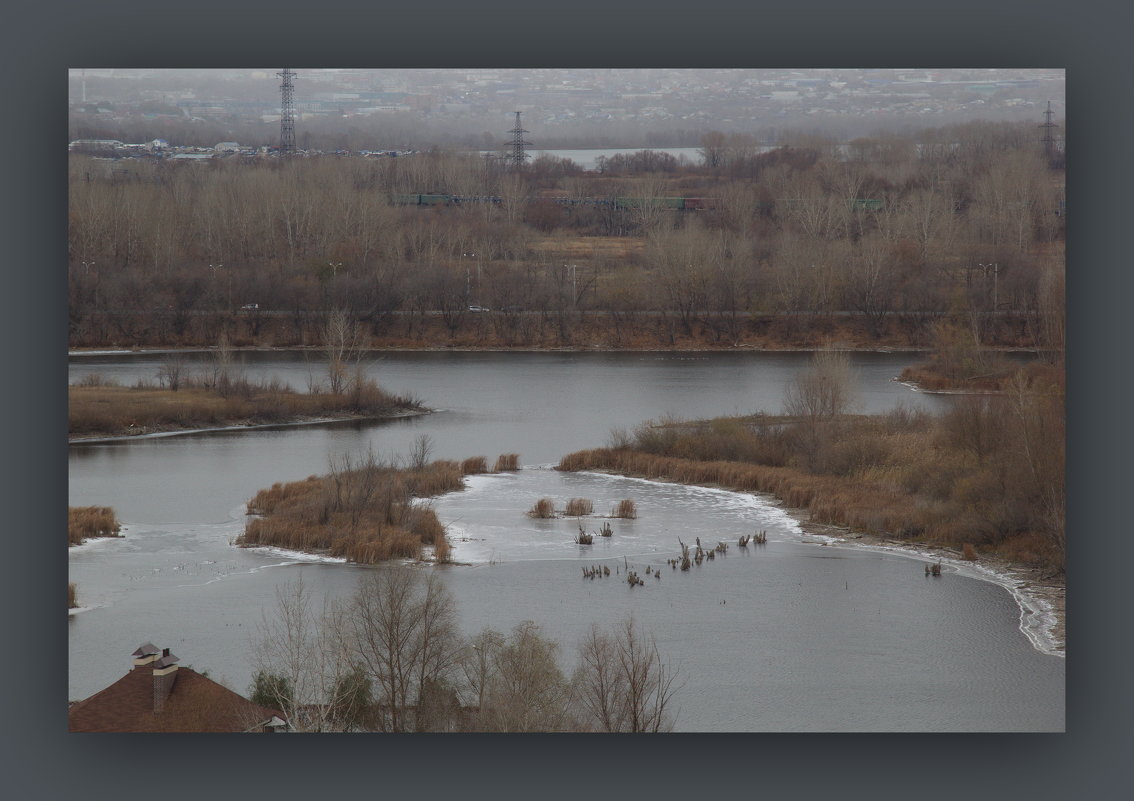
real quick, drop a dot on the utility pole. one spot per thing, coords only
(287, 112)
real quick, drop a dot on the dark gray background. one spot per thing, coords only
(1090, 39)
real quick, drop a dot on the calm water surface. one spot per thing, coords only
(791, 636)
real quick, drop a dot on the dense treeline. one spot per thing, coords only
(887, 228)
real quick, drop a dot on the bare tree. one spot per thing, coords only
(343, 341)
(818, 396)
(401, 631)
(301, 662)
(172, 372)
(622, 681)
(478, 667)
(526, 690)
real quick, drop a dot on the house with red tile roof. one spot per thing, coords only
(159, 696)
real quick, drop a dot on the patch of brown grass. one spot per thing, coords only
(72, 595)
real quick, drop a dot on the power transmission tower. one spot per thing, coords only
(287, 112)
(518, 144)
(1048, 136)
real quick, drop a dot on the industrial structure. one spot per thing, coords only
(1048, 135)
(518, 144)
(287, 112)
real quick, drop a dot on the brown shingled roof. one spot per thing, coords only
(196, 703)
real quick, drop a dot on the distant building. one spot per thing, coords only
(158, 696)
(100, 147)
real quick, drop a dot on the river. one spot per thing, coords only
(791, 636)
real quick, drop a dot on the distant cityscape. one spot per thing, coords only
(383, 111)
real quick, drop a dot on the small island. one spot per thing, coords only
(101, 409)
(364, 511)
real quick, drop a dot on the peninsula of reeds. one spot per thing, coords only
(99, 408)
(984, 478)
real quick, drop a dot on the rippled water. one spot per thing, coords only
(790, 636)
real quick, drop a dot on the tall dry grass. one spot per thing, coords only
(88, 522)
(72, 595)
(474, 465)
(577, 507)
(625, 509)
(543, 509)
(506, 462)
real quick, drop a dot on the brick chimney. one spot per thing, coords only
(165, 674)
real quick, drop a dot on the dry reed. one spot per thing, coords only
(88, 522)
(506, 462)
(625, 509)
(577, 507)
(474, 465)
(543, 509)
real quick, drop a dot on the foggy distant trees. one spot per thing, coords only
(885, 227)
